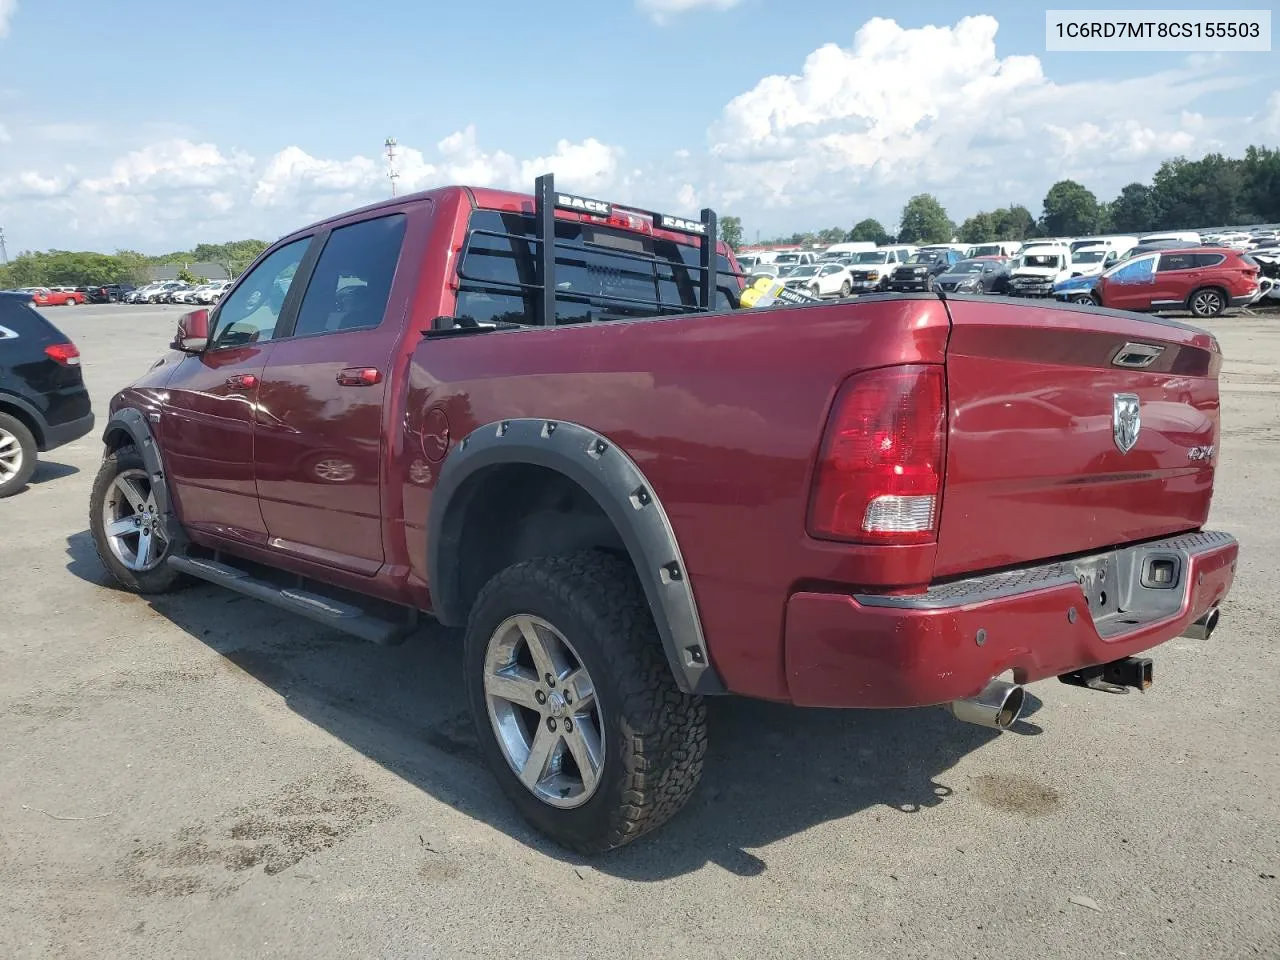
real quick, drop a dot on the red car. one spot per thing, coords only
(49, 297)
(1203, 280)
(547, 421)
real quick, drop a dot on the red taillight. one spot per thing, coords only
(879, 476)
(65, 353)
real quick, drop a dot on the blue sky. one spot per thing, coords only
(156, 125)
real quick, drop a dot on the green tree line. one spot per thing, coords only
(85, 268)
(1184, 194)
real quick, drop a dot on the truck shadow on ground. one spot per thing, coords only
(772, 771)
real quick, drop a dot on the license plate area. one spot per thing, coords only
(1099, 578)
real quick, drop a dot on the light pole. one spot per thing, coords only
(4, 253)
(392, 173)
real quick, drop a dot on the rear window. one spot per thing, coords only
(1210, 259)
(21, 320)
(497, 273)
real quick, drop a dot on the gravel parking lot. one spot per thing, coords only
(200, 775)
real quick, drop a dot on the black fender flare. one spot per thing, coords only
(618, 486)
(133, 423)
(36, 417)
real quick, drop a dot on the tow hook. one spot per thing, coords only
(1118, 676)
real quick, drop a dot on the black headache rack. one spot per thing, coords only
(543, 288)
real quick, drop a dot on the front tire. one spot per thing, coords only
(575, 707)
(17, 455)
(126, 527)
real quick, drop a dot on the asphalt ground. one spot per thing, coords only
(200, 775)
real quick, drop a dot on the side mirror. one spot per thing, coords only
(193, 332)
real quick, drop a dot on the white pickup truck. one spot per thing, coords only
(1038, 268)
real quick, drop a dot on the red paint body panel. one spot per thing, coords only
(724, 414)
(843, 654)
(1033, 470)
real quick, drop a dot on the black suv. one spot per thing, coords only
(109, 293)
(43, 401)
(921, 269)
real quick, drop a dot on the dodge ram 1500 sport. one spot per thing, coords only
(550, 421)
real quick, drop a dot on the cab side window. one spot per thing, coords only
(250, 314)
(351, 284)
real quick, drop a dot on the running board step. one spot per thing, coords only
(332, 613)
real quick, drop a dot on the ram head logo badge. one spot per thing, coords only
(1126, 421)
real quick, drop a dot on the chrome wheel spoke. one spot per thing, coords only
(513, 687)
(144, 548)
(122, 528)
(588, 753)
(541, 652)
(132, 493)
(538, 763)
(581, 692)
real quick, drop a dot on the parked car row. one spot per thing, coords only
(1170, 271)
(168, 291)
(176, 291)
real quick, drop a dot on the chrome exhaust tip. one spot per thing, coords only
(997, 707)
(1203, 628)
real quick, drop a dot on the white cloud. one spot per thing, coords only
(853, 132)
(170, 165)
(176, 192)
(936, 108)
(30, 185)
(5, 136)
(7, 9)
(663, 10)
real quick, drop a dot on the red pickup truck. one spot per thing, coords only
(548, 420)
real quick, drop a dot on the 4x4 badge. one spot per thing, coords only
(1126, 421)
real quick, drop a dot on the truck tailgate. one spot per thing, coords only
(1040, 399)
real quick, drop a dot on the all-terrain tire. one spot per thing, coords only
(161, 579)
(654, 735)
(19, 443)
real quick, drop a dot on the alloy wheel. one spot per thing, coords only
(10, 456)
(1206, 303)
(131, 521)
(544, 710)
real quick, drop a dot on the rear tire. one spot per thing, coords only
(651, 737)
(1085, 299)
(17, 455)
(1206, 302)
(149, 571)
(846, 288)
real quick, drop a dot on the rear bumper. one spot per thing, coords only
(878, 651)
(64, 433)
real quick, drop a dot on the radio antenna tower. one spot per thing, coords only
(4, 253)
(392, 172)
